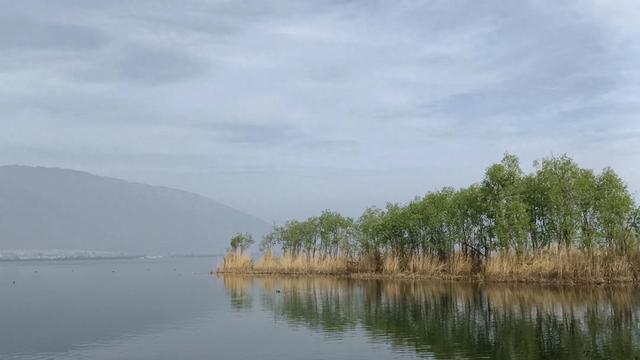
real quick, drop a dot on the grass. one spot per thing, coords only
(289, 264)
(549, 266)
(237, 261)
(566, 266)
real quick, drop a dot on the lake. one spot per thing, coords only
(172, 308)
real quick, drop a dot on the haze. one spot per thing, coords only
(283, 109)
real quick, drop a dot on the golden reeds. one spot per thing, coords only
(556, 265)
(562, 265)
(301, 264)
(237, 261)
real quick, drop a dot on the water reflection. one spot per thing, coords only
(239, 290)
(449, 320)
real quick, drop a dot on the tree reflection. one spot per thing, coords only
(448, 320)
(239, 290)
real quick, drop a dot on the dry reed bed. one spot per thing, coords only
(550, 266)
(571, 266)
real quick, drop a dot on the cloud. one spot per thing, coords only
(32, 34)
(253, 134)
(157, 66)
(382, 86)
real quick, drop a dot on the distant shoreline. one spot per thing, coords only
(114, 257)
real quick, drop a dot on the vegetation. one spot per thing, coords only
(560, 222)
(236, 259)
(241, 241)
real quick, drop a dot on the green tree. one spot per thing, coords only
(559, 179)
(432, 221)
(509, 211)
(614, 205)
(506, 213)
(369, 237)
(586, 191)
(393, 231)
(241, 241)
(468, 214)
(336, 234)
(538, 208)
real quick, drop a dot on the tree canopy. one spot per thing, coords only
(559, 203)
(241, 241)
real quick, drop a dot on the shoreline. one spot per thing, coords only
(555, 268)
(476, 279)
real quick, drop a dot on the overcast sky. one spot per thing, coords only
(282, 109)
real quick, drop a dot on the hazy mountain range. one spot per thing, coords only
(51, 208)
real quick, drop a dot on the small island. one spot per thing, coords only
(558, 224)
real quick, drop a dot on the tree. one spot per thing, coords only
(538, 208)
(241, 241)
(432, 223)
(468, 210)
(506, 211)
(613, 207)
(393, 231)
(368, 236)
(509, 211)
(336, 234)
(268, 241)
(586, 191)
(558, 177)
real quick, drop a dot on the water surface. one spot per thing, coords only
(174, 309)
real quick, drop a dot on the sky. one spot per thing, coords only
(285, 108)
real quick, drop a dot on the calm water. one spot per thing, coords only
(173, 309)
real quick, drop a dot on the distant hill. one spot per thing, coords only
(51, 208)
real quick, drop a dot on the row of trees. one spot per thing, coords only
(329, 234)
(508, 211)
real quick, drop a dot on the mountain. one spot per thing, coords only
(51, 208)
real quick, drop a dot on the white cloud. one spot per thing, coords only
(224, 98)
